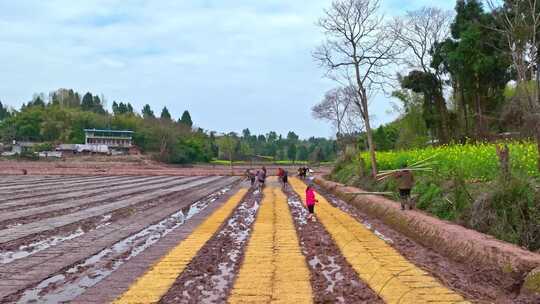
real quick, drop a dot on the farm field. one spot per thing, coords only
(472, 161)
(211, 239)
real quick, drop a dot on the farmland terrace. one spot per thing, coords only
(160, 234)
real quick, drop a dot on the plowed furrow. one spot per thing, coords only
(58, 181)
(388, 273)
(28, 272)
(41, 211)
(40, 226)
(332, 277)
(274, 269)
(208, 278)
(65, 187)
(101, 194)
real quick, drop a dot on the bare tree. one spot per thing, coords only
(338, 108)
(352, 122)
(418, 32)
(357, 51)
(519, 23)
(332, 108)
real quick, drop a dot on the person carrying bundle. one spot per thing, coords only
(405, 180)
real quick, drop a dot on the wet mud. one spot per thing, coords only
(477, 284)
(209, 277)
(332, 278)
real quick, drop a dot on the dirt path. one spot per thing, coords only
(209, 276)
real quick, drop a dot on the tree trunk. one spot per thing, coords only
(369, 134)
(443, 112)
(479, 114)
(538, 145)
(465, 112)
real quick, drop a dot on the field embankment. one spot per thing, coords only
(502, 259)
(466, 186)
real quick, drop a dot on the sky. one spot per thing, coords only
(232, 64)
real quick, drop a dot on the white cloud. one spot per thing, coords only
(233, 64)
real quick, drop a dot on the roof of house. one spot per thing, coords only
(71, 147)
(108, 131)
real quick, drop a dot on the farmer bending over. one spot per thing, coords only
(405, 180)
(250, 176)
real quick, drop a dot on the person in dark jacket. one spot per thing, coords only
(405, 180)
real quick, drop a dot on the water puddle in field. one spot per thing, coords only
(303, 213)
(238, 228)
(383, 237)
(37, 246)
(68, 285)
(330, 270)
(26, 250)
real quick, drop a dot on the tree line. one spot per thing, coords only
(470, 74)
(62, 116)
(273, 146)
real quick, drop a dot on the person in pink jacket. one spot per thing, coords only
(310, 202)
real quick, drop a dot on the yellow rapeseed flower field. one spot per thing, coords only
(473, 161)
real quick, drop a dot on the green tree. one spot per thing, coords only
(147, 112)
(4, 113)
(97, 105)
(291, 152)
(227, 146)
(115, 108)
(413, 132)
(292, 137)
(303, 153)
(87, 103)
(186, 119)
(479, 70)
(246, 134)
(165, 114)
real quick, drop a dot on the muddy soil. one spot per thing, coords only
(332, 277)
(74, 280)
(121, 166)
(95, 222)
(209, 277)
(133, 192)
(478, 284)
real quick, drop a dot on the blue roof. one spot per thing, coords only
(108, 130)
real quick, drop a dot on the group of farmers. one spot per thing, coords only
(404, 178)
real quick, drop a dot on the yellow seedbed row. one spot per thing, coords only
(274, 269)
(388, 273)
(150, 287)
